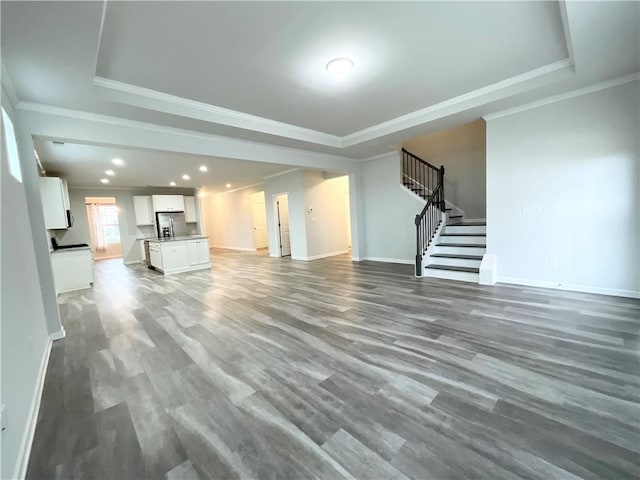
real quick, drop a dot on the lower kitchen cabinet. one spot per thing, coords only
(198, 251)
(72, 269)
(179, 255)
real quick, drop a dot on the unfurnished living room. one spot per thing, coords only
(291, 240)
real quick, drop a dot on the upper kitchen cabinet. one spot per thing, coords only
(143, 208)
(168, 203)
(190, 215)
(55, 203)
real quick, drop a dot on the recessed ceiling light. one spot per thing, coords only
(186, 177)
(203, 168)
(111, 173)
(340, 67)
(172, 184)
(117, 161)
(104, 180)
(228, 185)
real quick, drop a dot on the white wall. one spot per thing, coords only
(326, 224)
(386, 212)
(462, 152)
(24, 330)
(563, 196)
(291, 183)
(229, 219)
(129, 232)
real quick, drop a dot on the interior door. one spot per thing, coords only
(259, 213)
(283, 223)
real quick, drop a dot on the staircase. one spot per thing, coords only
(446, 245)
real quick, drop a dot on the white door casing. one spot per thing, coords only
(282, 203)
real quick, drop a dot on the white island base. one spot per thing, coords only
(179, 254)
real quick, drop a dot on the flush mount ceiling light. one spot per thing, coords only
(172, 184)
(104, 180)
(186, 177)
(117, 161)
(204, 168)
(340, 67)
(111, 173)
(228, 185)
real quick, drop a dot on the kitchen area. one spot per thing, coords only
(174, 248)
(158, 227)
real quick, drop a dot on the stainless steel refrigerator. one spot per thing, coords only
(171, 224)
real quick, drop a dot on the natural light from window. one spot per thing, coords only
(12, 147)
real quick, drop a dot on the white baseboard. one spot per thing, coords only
(324, 255)
(569, 287)
(20, 470)
(58, 335)
(240, 249)
(390, 260)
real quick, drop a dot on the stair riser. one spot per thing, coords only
(460, 250)
(465, 229)
(480, 240)
(450, 275)
(455, 262)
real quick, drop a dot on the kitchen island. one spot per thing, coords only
(179, 254)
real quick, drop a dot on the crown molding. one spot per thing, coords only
(568, 40)
(390, 155)
(616, 82)
(497, 91)
(164, 102)
(103, 15)
(274, 175)
(238, 189)
(8, 85)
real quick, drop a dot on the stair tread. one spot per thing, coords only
(455, 216)
(477, 245)
(454, 269)
(463, 234)
(468, 224)
(453, 255)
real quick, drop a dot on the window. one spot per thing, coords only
(109, 220)
(12, 147)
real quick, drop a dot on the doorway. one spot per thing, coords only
(104, 227)
(259, 215)
(282, 216)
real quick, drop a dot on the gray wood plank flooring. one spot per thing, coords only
(273, 368)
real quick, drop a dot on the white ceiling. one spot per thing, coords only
(84, 165)
(256, 70)
(268, 59)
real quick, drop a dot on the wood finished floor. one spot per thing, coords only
(269, 368)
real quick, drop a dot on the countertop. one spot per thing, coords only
(74, 249)
(174, 239)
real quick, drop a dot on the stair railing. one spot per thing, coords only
(428, 182)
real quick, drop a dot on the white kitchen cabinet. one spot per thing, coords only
(190, 215)
(72, 269)
(54, 202)
(168, 203)
(155, 255)
(143, 209)
(180, 255)
(174, 256)
(142, 252)
(198, 251)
